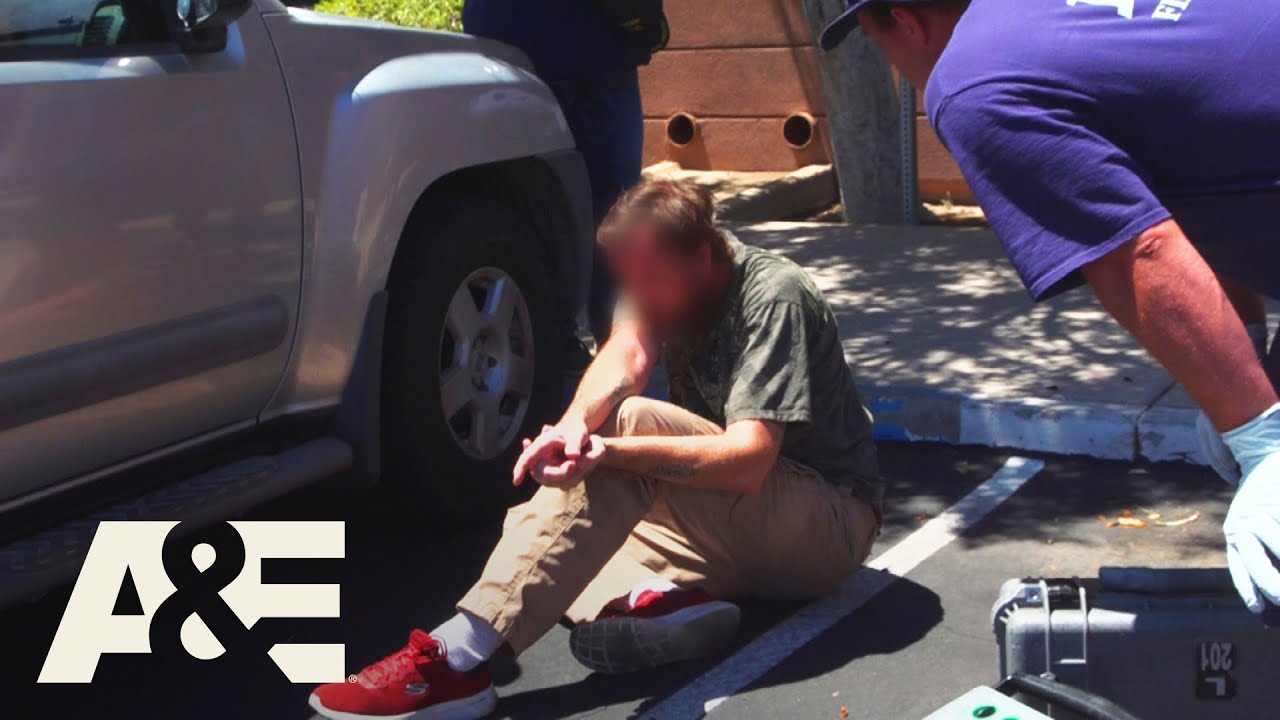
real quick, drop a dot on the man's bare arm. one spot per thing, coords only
(1161, 290)
(736, 461)
(621, 369)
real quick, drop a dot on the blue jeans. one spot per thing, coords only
(607, 122)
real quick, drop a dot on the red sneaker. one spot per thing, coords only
(415, 683)
(658, 629)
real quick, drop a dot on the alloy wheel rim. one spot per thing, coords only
(486, 363)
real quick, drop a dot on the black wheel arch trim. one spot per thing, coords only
(576, 242)
(359, 417)
(570, 238)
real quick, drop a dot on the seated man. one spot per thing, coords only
(759, 479)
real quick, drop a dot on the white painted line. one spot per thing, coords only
(739, 670)
(941, 530)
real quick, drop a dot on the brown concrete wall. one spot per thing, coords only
(938, 174)
(734, 82)
(736, 23)
(736, 144)
(741, 67)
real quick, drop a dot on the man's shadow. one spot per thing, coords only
(896, 618)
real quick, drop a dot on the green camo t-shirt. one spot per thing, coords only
(776, 355)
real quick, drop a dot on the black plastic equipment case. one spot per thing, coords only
(1163, 644)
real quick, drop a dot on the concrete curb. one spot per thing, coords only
(1099, 430)
(1107, 431)
(1169, 435)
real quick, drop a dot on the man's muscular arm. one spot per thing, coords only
(621, 369)
(736, 461)
(1161, 290)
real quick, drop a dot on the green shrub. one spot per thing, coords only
(430, 14)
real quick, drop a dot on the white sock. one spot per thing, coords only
(656, 584)
(468, 641)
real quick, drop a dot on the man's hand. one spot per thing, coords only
(553, 448)
(570, 472)
(620, 370)
(574, 432)
(1252, 527)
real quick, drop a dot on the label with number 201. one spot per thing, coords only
(1214, 663)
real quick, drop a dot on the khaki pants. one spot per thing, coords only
(572, 552)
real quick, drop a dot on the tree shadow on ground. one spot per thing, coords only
(916, 610)
(1074, 503)
(944, 309)
(1069, 504)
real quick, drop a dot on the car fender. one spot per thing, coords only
(382, 114)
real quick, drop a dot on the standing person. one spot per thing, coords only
(589, 52)
(1130, 145)
(760, 479)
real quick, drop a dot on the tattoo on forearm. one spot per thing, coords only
(621, 391)
(674, 471)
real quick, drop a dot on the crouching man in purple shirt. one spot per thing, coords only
(1130, 145)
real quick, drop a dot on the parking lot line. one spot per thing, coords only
(753, 660)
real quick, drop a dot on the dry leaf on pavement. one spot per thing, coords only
(1181, 521)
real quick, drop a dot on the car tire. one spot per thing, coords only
(472, 356)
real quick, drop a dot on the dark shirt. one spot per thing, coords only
(1080, 124)
(776, 355)
(567, 40)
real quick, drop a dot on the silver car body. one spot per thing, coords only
(189, 243)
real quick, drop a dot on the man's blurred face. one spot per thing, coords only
(662, 287)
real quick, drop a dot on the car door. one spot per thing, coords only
(150, 235)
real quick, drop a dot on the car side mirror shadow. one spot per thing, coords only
(200, 26)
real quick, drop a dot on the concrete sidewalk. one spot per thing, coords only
(948, 347)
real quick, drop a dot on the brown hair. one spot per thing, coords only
(683, 214)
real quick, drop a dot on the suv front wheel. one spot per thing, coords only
(473, 354)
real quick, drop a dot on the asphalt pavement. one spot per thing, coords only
(920, 641)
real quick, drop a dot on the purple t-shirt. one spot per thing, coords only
(1079, 124)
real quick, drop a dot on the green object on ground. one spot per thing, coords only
(429, 14)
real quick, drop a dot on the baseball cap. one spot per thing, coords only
(848, 21)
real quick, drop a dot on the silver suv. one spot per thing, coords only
(244, 248)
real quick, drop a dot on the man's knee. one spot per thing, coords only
(546, 503)
(645, 416)
(633, 416)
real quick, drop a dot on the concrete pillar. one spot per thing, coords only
(863, 112)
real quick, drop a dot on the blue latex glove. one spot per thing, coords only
(1253, 522)
(1215, 451)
